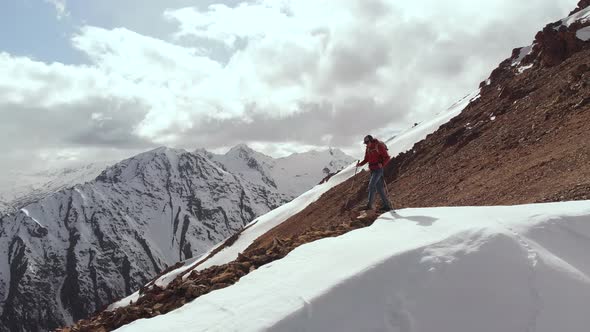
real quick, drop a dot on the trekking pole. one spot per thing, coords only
(352, 184)
(385, 185)
(387, 192)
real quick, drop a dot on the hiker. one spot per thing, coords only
(377, 157)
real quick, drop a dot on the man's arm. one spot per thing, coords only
(361, 163)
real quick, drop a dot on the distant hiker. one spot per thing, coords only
(377, 157)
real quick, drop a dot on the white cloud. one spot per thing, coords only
(174, 81)
(300, 73)
(225, 24)
(60, 7)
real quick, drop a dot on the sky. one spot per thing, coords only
(89, 80)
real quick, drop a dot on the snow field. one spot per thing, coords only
(520, 268)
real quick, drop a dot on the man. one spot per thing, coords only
(377, 157)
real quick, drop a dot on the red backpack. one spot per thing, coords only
(382, 149)
(384, 154)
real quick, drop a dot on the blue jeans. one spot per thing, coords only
(376, 184)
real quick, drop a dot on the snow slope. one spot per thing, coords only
(464, 269)
(406, 140)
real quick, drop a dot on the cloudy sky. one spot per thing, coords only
(84, 80)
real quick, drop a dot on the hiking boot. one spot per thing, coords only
(385, 209)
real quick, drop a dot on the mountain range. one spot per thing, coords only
(77, 250)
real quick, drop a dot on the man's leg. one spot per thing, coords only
(372, 188)
(381, 189)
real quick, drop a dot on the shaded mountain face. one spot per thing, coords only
(77, 250)
(525, 139)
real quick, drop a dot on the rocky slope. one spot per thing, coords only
(77, 250)
(525, 139)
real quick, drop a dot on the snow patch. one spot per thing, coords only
(583, 34)
(84, 199)
(582, 16)
(522, 69)
(523, 53)
(26, 212)
(125, 301)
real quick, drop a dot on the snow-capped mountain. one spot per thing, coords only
(81, 248)
(290, 175)
(21, 189)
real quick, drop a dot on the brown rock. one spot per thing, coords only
(223, 278)
(245, 266)
(581, 5)
(219, 286)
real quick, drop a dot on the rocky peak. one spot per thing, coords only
(204, 152)
(581, 5)
(139, 165)
(557, 42)
(241, 151)
(337, 153)
(560, 40)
